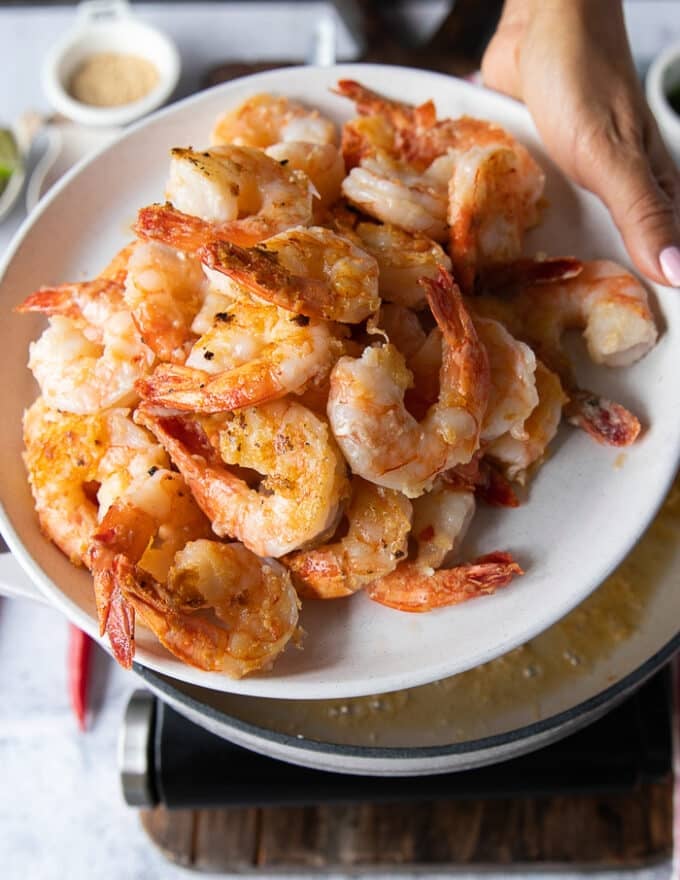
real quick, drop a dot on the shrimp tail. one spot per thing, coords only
(400, 114)
(120, 627)
(606, 421)
(261, 273)
(319, 574)
(187, 389)
(64, 299)
(409, 588)
(166, 224)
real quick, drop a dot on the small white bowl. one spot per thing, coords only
(109, 26)
(662, 78)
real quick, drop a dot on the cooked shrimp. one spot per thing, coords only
(440, 520)
(264, 120)
(281, 440)
(611, 307)
(403, 330)
(604, 300)
(90, 304)
(312, 272)
(491, 204)
(415, 135)
(403, 259)
(515, 453)
(251, 354)
(398, 193)
(513, 395)
(411, 588)
(380, 439)
(164, 290)
(379, 523)
(150, 514)
(62, 455)
(223, 609)
(248, 195)
(80, 376)
(322, 163)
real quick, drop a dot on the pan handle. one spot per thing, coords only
(14, 582)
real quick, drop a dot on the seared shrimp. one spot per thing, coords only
(312, 272)
(415, 135)
(411, 588)
(62, 455)
(379, 523)
(403, 330)
(604, 300)
(403, 259)
(513, 394)
(164, 290)
(491, 204)
(515, 453)
(149, 515)
(440, 520)
(398, 193)
(251, 354)
(91, 353)
(223, 609)
(266, 119)
(380, 439)
(322, 163)
(611, 307)
(281, 440)
(248, 195)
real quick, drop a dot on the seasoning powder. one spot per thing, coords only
(109, 79)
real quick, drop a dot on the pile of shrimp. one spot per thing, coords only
(318, 355)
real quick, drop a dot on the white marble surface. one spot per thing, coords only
(61, 809)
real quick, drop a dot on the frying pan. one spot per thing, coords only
(562, 680)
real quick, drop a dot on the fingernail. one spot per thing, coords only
(669, 258)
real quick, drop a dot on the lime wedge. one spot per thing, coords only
(10, 160)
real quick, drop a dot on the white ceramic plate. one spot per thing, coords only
(587, 506)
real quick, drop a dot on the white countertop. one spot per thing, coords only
(61, 809)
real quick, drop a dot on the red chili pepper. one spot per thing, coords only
(79, 652)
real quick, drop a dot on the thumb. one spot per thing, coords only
(500, 64)
(642, 193)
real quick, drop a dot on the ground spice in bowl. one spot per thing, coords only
(110, 79)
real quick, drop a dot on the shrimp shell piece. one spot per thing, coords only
(223, 609)
(410, 588)
(379, 524)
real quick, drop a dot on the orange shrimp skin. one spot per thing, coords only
(410, 589)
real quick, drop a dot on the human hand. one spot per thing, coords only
(570, 62)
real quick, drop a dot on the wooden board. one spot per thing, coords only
(623, 830)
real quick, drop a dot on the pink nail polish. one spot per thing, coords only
(669, 259)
